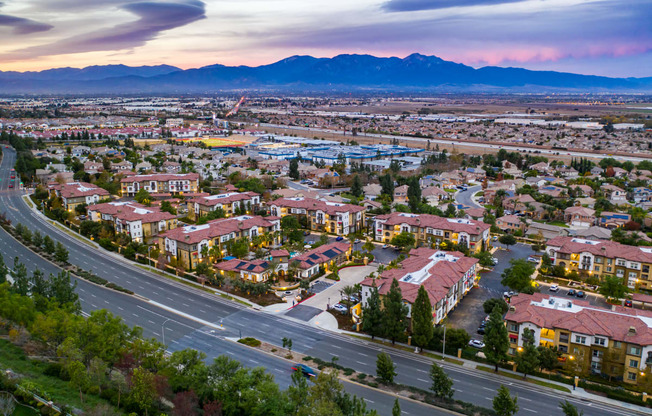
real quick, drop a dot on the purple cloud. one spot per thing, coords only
(22, 26)
(415, 5)
(154, 17)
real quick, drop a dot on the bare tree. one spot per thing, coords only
(7, 404)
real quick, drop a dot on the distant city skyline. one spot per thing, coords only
(600, 37)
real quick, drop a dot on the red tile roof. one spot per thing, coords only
(330, 208)
(605, 248)
(193, 234)
(582, 318)
(132, 211)
(255, 266)
(161, 177)
(321, 254)
(212, 200)
(456, 225)
(79, 189)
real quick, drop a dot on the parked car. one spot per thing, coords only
(571, 292)
(480, 330)
(579, 294)
(339, 238)
(356, 241)
(306, 233)
(554, 288)
(494, 260)
(385, 246)
(532, 259)
(494, 238)
(305, 370)
(340, 308)
(628, 303)
(476, 343)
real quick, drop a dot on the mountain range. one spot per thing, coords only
(361, 73)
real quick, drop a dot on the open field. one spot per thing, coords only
(233, 140)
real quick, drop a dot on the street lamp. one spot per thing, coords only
(149, 258)
(163, 329)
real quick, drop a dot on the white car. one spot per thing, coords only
(476, 343)
(340, 308)
(554, 288)
(385, 246)
(532, 259)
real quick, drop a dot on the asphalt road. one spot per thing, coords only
(464, 197)
(198, 307)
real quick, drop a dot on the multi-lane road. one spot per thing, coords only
(190, 318)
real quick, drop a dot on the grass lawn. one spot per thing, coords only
(557, 223)
(24, 411)
(59, 391)
(529, 380)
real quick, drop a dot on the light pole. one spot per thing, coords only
(443, 348)
(149, 258)
(163, 329)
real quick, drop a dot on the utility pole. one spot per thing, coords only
(163, 329)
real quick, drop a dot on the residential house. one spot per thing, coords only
(541, 167)
(79, 151)
(323, 257)
(321, 216)
(372, 191)
(92, 167)
(612, 220)
(160, 183)
(371, 205)
(256, 271)
(554, 191)
(447, 276)
(510, 223)
(429, 229)
(143, 167)
(121, 166)
(546, 231)
(612, 343)
(434, 195)
(191, 244)
(170, 166)
(592, 233)
(230, 202)
(139, 222)
(579, 216)
(602, 258)
(640, 194)
(614, 194)
(78, 193)
(400, 194)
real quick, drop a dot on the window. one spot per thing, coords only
(599, 341)
(609, 261)
(598, 260)
(618, 344)
(580, 339)
(631, 376)
(632, 275)
(633, 363)
(563, 338)
(634, 351)
(609, 268)
(598, 353)
(562, 348)
(620, 262)
(597, 268)
(513, 327)
(512, 351)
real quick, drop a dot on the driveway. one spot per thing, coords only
(331, 295)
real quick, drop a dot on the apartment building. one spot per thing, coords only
(602, 258)
(429, 229)
(614, 342)
(73, 194)
(325, 256)
(158, 183)
(229, 202)
(447, 277)
(256, 271)
(139, 222)
(320, 215)
(192, 243)
(510, 223)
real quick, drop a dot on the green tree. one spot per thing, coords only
(143, 197)
(238, 248)
(21, 280)
(62, 290)
(368, 246)
(404, 240)
(490, 304)
(385, 368)
(548, 357)
(569, 409)
(60, 253)
(3, 270)
(395, 313)
(356, 186)
(518, 276)
(78, 377)
(527, 360)
(166, 206)
(496, 339)
(396, 410)
(504, 404)
(612, 287)
(442, 384)
(507, 239)
(372, 315)
(143, 389)
(422, 328)
(37, 239)
(294, 169)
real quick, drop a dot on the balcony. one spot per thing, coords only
(548, 334)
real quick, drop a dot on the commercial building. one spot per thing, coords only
(447, 277)
(136, 220)
(73, 194)
(602, 258)
(615, 343)
(230, 202)
(192, 243)
(429, 229)
(158, 183)
(322, 216)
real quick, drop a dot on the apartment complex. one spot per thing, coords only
(256, 271)
(325, 256)
(78, 193)
(321, 216)
(136, 220)
(602, 258)
(193, 243)
(160, 183)
(615, 343)
(447, 277)
(429, 229)
(229, 202)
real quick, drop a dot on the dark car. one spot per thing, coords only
(571, 292)
(339, 238)
(579, 294)
(481, 330)
(305, 370)
(628, 303)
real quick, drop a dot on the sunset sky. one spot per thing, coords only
(602, 37)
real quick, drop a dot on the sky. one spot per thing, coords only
(600, 37)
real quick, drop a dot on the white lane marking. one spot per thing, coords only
(425, 381)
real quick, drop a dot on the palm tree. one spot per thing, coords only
(293, 269)
(273, 267)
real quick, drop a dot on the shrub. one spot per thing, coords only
(249, 341)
